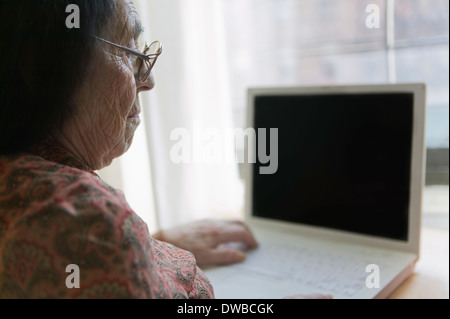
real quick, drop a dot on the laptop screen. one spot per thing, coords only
(344, 161)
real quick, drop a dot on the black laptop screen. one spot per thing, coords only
(344, 162)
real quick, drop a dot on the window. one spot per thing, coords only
(324, 42)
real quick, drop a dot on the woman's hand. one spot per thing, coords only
(207, 240)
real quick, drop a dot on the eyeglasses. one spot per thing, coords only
(146, 60)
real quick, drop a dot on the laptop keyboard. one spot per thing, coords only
(344, 275)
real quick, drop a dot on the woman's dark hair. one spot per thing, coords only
(42, 64)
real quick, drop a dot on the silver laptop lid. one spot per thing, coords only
(349, 161)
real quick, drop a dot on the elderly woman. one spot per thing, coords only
(69, 106)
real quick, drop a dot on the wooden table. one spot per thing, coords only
(431, 277)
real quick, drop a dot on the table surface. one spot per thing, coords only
(431, 277)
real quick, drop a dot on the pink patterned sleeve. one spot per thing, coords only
(58, 216)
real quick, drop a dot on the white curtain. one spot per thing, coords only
(191, 93)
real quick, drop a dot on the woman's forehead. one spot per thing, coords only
(129, 20)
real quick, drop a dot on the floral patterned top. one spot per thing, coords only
(55, 212)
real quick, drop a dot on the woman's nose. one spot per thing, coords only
(146, 85)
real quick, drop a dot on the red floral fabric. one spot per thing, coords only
(55, 212)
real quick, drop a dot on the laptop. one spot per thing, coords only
(340, 212)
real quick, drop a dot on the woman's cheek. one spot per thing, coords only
(124, 88)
